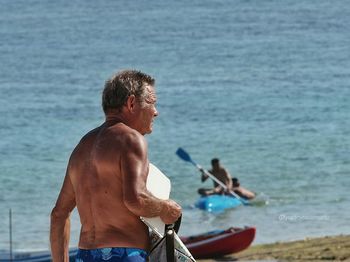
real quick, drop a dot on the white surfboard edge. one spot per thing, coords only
(160, 186)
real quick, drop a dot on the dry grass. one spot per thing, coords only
(335, 248)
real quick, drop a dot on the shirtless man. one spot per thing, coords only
(106, 179)
(241, 191)
(221, 174)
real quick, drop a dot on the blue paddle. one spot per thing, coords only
(186, 157)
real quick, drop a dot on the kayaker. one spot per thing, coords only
(224, 176)
(106, 179)
(221, 174)
(241, 191)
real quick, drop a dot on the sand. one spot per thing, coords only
(329, 248)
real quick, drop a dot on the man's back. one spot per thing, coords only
(95, 172)
(221, 174)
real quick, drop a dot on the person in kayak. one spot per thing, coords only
(221, 174)
(106, 179)
(231, 183)
(241, 191)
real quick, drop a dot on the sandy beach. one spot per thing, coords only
(329, 248)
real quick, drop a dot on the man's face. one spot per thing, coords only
(147, 112)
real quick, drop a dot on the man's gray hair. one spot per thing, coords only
(119, 87)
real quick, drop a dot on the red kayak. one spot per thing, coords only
(219, 242)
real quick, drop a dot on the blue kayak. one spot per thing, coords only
(217, 203)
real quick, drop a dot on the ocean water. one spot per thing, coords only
(262, 85)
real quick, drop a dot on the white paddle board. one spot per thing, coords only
(160, 186)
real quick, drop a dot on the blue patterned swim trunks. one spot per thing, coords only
(115, 254)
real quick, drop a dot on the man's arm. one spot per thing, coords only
(134, 169)
(204, 175)
(60, 222)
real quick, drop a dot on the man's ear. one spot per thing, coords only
(130, 103)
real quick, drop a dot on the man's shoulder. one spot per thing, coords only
(125, 135)
(88, 137)
(126, 132)
(119, 134)
(120, 131)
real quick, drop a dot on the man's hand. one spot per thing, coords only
(171, 212)
(204, 175)
(219, 190)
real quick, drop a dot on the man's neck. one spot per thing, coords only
(116, 117)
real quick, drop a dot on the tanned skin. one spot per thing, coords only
(221, 174)
(106, 180)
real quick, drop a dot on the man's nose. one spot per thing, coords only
(155, 112)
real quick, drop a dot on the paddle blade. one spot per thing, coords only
(183, 155)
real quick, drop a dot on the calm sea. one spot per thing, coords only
(262, 85)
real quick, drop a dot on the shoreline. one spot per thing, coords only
(327, 248)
